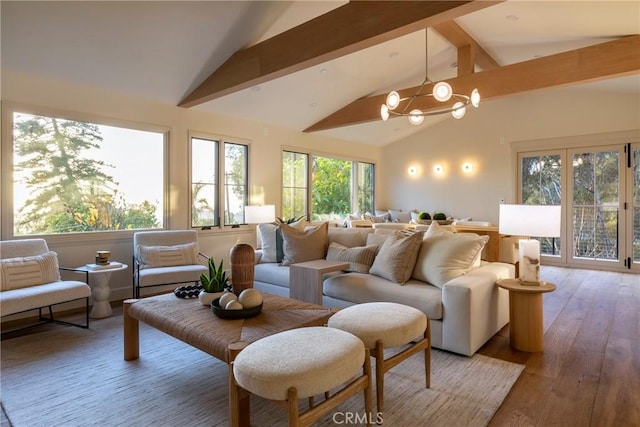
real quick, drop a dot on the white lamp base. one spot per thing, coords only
(529, 259)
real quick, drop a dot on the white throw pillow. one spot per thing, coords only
(443, 256)
(399, 216)
(16, 273)
(301, 246)
(397, 256)
(268, 233)
(360, 257)
(168, 256)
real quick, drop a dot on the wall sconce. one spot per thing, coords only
(438, 169)
(467, 167)
(412, 170)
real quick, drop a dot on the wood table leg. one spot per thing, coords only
(131, 332)
(526, 331)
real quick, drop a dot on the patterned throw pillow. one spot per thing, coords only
(397, 256)
(301, 246)
(360, 257)
(168, 256)
(16, 273)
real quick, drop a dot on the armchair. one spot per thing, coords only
(30, 279)
(165, 257)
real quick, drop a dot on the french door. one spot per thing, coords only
(598, 188)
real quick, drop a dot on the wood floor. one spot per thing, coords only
(589, 372)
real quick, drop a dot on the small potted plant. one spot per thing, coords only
(214, 285)
(424, 218)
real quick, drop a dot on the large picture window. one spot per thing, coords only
(218, 186)
(72, 176)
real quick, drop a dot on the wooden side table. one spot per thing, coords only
(305, 279)
(525, 314)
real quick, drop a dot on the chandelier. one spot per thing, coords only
(442, 92)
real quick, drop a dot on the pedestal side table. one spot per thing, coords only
(525, 314)
(98, 279)
(305, 279)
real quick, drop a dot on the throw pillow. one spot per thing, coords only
(360, 257)
(399, 216)
(16, 273)
(168, 256)
(397, 256)
(271, 242)
(377, 239)
(444, 257)
(301, 246)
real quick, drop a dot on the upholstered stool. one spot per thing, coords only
(302, 363)
(383, 325)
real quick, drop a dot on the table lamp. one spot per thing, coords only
(529, 220)
(259, 214)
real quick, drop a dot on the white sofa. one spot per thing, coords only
(30, 279)
(464, 312)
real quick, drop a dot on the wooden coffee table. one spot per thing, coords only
(191, 322)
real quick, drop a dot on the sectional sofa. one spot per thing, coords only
(437, 271)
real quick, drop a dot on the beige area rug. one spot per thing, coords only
(75, 377)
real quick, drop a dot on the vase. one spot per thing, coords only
(243, 259)
(207, 297)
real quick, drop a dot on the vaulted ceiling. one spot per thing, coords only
(324, 66)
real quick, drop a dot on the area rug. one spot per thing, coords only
(75, 377)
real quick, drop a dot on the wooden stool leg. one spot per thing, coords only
(292, 398)
(379, 355)
(368, 404)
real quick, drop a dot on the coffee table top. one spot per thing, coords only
(195, 324)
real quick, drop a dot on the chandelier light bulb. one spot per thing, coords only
(393, 100)
(475, 98)
(442, 91)
(384, 112)
(458, 110)
(416, 117)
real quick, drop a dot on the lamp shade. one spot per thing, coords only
(259, 214)
(530, 220)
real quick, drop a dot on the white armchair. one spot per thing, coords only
(166, 257)
(30, 279)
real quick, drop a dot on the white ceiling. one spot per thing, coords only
(163, 50)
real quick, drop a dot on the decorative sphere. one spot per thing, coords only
(226, 298)
(250, 298)
(233, 305)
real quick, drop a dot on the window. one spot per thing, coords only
(72, 176)
(208, 192)
(338, 186)
(294, 184)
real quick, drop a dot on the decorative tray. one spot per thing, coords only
(234, 314)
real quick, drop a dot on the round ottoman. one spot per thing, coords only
(383, 325)
(303, 363)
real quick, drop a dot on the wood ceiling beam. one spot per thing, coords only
(458, 37)
(344, 30)
(608, 60)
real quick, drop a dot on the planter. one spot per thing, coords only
(207, 297)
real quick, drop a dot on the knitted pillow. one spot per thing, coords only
(360, 257)
(397, 256)
(16, 273)
(168, 256)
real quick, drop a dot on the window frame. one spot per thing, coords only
(354, 181)
(222, 141)
(6, 187)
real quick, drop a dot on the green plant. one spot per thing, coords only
(217, 280)
(439, 216)
(290, 220)
(424, 216)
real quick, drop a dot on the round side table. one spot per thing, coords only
(99, 282)
(525, 314)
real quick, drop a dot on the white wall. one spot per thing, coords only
(264, 167)
(483, 137)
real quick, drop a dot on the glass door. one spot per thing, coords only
(633, 207)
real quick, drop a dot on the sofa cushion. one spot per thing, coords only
(397, 256)
(443, 257)
(362, 288)
(168, 256)
(22, 272)
(272, 273)
(360, 257)
(301, 246)
(270, 242)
